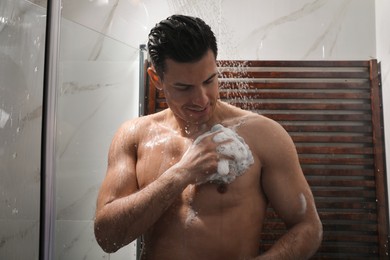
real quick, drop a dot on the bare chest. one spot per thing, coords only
(159, 152)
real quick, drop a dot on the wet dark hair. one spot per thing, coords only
(180, 38)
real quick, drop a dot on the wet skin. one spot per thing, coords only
(202, 216)
(153, 168)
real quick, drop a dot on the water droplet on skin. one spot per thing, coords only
(187, 130)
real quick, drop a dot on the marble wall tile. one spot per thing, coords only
(42, 3)
(75, 240)
(126, 21)
(92, 45)
(308, 30)
(19, 239)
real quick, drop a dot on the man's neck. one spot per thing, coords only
(192, 129)
(189, 129)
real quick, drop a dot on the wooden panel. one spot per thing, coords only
(332, 110)
(296, 95)
(292, 63)
(297, 74)
(289, 84)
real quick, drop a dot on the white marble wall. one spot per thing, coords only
(258, 29)
(22, 46)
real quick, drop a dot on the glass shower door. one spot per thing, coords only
(22, 50)
(97, 92)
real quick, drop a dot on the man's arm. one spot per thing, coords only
(289, 194)
(123, 212)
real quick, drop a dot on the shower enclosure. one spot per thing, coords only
(69, 76)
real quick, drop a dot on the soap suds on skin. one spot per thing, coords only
(303, 203)
(229, 170)
(191, 216)
(191, 213)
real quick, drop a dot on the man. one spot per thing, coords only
(159, 181)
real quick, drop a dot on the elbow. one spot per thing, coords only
(107, 247)
(312, 240)
(104, 239)
(111, 237)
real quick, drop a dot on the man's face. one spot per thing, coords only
(191, 89)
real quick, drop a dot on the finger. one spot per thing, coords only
(223, 138)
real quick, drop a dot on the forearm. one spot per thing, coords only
(123, 220)
(300, 242)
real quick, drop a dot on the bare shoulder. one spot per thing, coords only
(252, 123)
(135, 130)
(262, 125)
(265, 136)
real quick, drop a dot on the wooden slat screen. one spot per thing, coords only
(332, 110)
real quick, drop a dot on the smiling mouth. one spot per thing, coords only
(198, 110)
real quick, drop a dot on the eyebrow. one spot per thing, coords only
(179, 84)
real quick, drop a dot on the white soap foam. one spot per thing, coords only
(228, 170)
(223, 167)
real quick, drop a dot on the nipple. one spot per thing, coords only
(222, 188)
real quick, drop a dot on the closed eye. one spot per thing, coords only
(181, 86)
(210, 79)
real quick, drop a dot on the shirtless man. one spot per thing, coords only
(157, 183)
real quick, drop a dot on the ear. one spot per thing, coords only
(155, 78)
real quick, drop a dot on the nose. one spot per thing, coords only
(200, 97)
